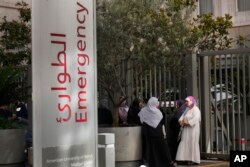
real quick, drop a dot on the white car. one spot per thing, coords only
(224, 97)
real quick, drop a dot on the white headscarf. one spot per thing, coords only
(150, 114)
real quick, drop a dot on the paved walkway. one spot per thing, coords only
(209, 163)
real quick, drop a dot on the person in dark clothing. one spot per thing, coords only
(174, 128)
(104, 117)
(4, 112)
(134, 109)
(154, 146)
(21, 111)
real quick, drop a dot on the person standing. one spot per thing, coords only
(123, 111)
(154, 146)
(189, 148)
(105, 117)
(174, 128)
(134, 109)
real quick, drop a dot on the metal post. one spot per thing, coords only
(204, 100)
(192, 85)
(243, 144)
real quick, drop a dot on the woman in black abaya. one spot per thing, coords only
(155, 148)
(174, 128)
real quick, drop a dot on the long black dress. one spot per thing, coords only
(174, 128)
(155, 147)
(133, 118)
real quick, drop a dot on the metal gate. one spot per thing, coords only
(220, 80)
(158, 82)
(224, 100)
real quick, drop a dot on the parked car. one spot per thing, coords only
(224, 96)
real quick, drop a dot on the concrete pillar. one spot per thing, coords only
(106, 150)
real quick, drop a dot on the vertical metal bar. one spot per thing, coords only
(227, 111)
(199, 94)
(155, 92)
(174, 91)
(205, 103)
(136, 82)
(210, 107)
(141, 84)
(191, 80)
(170, 90)
(199, 74)
(215, 107)
(160, 82)
(164, 86)
(150, 82)
(233, 98)
(244, 95)
(221, 105)
(238, 97)
(179, 86)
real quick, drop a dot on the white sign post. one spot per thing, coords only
(64, 83)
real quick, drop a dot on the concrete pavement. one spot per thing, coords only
(209, 163)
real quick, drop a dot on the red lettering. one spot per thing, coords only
(82, 9)
(81, 118)
(65, 107)
(83, 59)
(81, 100)
(58, 88)
(81, 45)
(82, 82)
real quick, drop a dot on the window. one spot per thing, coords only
(206, 6)
(243, 5)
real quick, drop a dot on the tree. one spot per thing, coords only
(146, 33)
(15, 53)
(10, 87)
(15, 38)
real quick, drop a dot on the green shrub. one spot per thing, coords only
(9, 124)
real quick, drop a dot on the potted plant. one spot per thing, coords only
(12, 133)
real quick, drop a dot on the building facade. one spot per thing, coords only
(238, 9)
(8, 8)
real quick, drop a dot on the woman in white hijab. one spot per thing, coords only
(155, 149)
(150, 114)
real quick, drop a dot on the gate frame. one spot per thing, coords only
(204, 90)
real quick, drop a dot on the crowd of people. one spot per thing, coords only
(179, 146)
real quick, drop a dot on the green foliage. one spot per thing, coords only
(10, 87)
(15, 38)
(9, 124)
(212, 33)
(147, 33)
